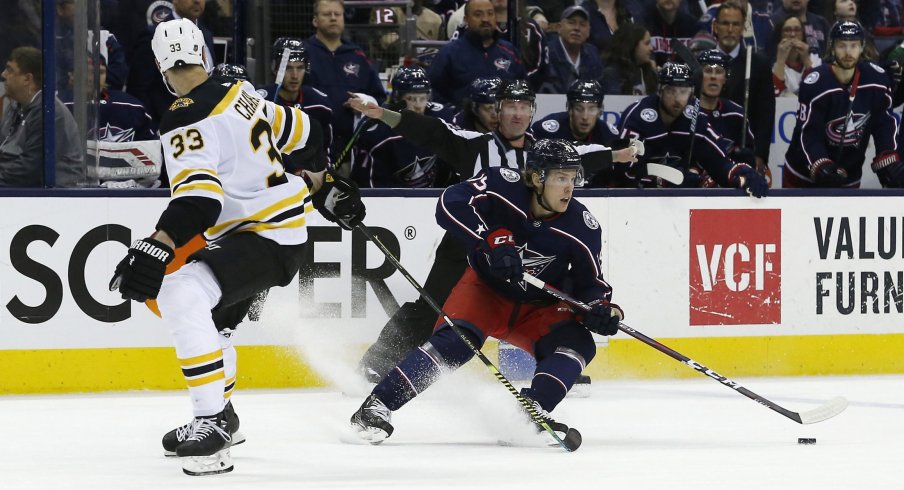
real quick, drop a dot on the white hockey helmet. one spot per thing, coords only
(178, 42)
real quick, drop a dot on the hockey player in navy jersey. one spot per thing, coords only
(582, 122)
(724, 116)
(510, 222)
(290, 92)
(392, 161)
(469, 153)
(665, 122)
(478, 111)
(842, 104)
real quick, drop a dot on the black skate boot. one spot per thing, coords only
(569, 436)
(177, 436)
(206, 449)
(371, 422)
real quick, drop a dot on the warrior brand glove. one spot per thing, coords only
(603, 318)
(890, 169)
(140, 274)
(502, 254)
(827, 173)
(754, 183)
(339, 201)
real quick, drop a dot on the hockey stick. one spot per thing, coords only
(572, 439)
(746, 97)
(664, 172)
(849, 114)
(281, 73)
(687, 56)
(359, 128)
(823, 412)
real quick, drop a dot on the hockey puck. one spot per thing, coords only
(806, 440)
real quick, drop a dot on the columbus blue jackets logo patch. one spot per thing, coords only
(877, 67)
(351, 69)
(649, 115)
(590, 221)
(509, 175)
(550, 125)
(812, 77)
(689, 111)
(502, 64)
(158, 11)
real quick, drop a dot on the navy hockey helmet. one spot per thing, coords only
(847, 30)
(551, 154)
(297, 52)
(409, 79)
(676, 75)
(585, 91)
(714, 57)
(231, 72)
(483, 90)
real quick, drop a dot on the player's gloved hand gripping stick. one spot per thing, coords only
(825, 411)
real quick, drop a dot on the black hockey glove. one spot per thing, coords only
(502, 254)
(339, 201)
(140, 274)
(744, 155)
(603, 318)
(890, 169)
(754, 183)
(827, 173)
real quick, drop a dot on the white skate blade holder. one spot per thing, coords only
(215, 464)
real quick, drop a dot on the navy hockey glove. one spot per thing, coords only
(139, 275)
(744, 155)
(890, 169)
(603, 318)
(754, 183)
(505, 262)
(827, 173)
(339, 201)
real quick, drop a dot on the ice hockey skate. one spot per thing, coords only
(177, 436)
(371, 423)
(206, 449)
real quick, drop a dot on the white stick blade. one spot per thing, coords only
(664, 172)
(828, 410)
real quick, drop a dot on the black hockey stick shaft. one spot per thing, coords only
(685, 54)
(364, 122)
(749, 53)
(535, 417)
(848, 115)
(829, 410)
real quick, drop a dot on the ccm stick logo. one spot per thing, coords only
(735, 267)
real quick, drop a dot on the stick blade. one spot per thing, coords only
(825, 411)
(664, 172)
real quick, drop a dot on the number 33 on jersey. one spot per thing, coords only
(224, 142)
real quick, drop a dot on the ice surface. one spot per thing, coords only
(637, 435)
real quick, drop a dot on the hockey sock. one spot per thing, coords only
(423, 365)
(185, 301)
(229, 365)
(555, 375)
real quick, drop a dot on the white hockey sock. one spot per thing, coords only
(229, 365)
(185, 301)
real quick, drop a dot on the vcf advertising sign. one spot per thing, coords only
(735, 266)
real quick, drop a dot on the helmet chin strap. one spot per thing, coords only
(541, 201)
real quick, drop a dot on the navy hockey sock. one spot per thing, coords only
(443, 350)
(561, 357)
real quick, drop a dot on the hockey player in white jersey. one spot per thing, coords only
(223, 144)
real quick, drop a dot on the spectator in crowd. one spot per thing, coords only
(541, 11)
(337, 67)
(832, 133)
(757, 26)
(571, 58)
(479, 52)
(664, 122)
(20, 25)
(145, 81)
(793, 58)
(21, 131)
(583, 123)
(630, 69)
(666, 21)
(847, 10)
(728, 27)
(607, 17)
(393, 161)
(725, 116)
(478, 111)
(880, 17)
(291, 92)
(135, 17)
(815, 26)
(428, 26)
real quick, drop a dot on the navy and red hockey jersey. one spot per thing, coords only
(557, 126)
(727, 119)
(669, 145)
(561, 250)
(316, 105)
(822, 110)
(120, 118)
